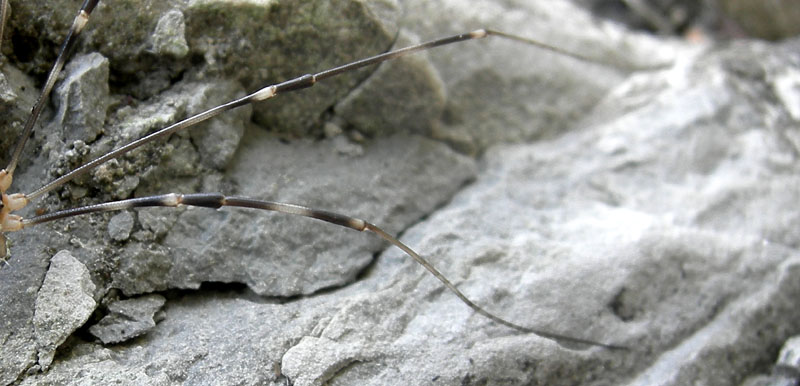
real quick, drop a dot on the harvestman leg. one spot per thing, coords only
(11, 202)
(216, 201)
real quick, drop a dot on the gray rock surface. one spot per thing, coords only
(64, 303)
(487, 81)
(120, 226)
(415, 86)
(81, 98)
(786, 371)
(649, 203)
(128, 319)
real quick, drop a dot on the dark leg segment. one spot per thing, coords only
(77, 26)
(216, 200)
(299, 83)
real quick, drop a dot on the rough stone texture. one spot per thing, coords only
(127, 319)
(169, 36)
(416, 87)
(120, 226)
(657, 215)
(295, 245)
(81, 99)
(489, 83)
(64, 302)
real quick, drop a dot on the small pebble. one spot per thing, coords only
(120, 226)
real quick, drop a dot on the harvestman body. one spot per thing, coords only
(10, 222)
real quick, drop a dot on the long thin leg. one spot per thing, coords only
(77, 26)
(216, 201)
(301, 82)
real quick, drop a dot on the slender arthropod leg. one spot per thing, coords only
(216, 201)
(13, 202)
(12, 222)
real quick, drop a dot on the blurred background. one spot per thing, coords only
(704, 19)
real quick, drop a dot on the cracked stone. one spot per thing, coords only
(63, 304)
(672, 182)
(128, 319)
(82, 98)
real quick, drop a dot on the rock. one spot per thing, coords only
(489, 83)
(373, 188)
(128, 319)
(651, 207)
(7, 94)
(415, 86)
(98, 367)
(120, 226)
(82, 98)
(63, 304)
(169, 37)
